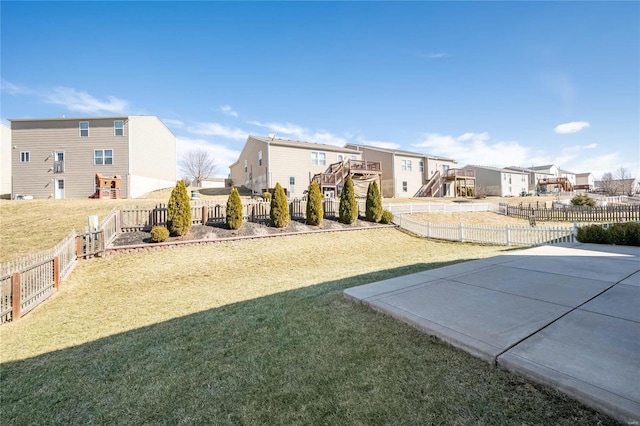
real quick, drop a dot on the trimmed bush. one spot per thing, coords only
(348, 212)
(386, 217)
(373, 211)
(266, 196)
(619, 234)
(583, 200)
(315, 212)
(592, 234)
(234, 210)
(179, 211)
(159, 234)
(279, 208)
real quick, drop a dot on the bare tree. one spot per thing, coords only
(608, 184)
(624, 181)
(198, 164)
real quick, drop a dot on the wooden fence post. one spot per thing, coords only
(56, 273)
(205, 214)
(79, 246)
(15, 296)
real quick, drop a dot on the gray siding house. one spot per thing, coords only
(60, 157)
(5, 161)
(500, 182)
(408, 174)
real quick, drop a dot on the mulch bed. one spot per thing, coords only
(248, 229)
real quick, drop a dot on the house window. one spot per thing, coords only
(245, 166)
(404, 186)
(409, 166)
(340, 158)
(421, 166)
(318, 158)
(259, 158)
(84, 129)
(292, 184)
(403, 165)
(25, 157)
(103, 157)
(118, 128)
(354, 157)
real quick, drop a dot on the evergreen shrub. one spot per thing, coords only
(266, 196)
(583, 200)
(179, 210)
(348, 211)
(279, 214)
(159, 234)
(386, 217)
(234, 210)
(315, 212)
(373, 211)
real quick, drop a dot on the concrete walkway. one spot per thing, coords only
(566, 316)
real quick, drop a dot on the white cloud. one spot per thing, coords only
(477, 148)
(217, 129)
(222, 155)
(295, 131)
(74, 100)
(572, 127)
(226, 109)
(173, 123)
(13, 89)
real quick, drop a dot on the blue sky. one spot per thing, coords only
(490, 83)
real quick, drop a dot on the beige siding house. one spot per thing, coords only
(265, 161)
(585, 181)
(60, 157)
(500, 182)
(5, 161)
(408, 174)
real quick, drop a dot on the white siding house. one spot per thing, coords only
(500, 182)
(5, 161)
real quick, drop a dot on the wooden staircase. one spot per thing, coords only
(336, 173)
(433, 187)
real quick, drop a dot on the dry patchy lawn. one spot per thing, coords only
(255, 332)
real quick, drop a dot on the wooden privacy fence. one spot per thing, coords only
(508, 235)
(612, 213)
(29, 281)
(143, 218)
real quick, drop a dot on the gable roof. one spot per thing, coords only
(545, 167)
(495, 169)
(402, 152)
(302, 144)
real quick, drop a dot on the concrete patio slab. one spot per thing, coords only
(567, 316)
(622, 301)
(609, 269)
(554, 288)
(482, 321)
(632, 280)
(591, 357)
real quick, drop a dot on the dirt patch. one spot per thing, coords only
(248, 229)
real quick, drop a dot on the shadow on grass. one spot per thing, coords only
(307, 356)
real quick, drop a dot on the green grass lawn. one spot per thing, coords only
(255, 332)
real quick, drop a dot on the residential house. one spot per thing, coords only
(534, 176)
(62, 157)
(265, 161)
(412, 174)
(500, 182)
(559, 180)
(585, 181)
(5, 161)
(213, 183)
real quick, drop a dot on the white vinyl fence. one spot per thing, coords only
(508, 235)
(401, 208)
